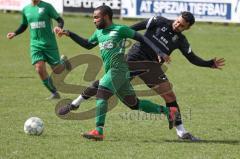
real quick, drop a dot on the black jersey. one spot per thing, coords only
(159, 31)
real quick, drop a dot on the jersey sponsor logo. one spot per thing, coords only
(163, 41)
(113, 33)
(164, 29)
(37, 25)
(106, 45)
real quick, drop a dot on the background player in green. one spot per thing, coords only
(43, 43)
(110, 38)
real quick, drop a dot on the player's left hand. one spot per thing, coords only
(57, 30)
(218, 63)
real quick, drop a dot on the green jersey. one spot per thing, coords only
(39, 19)
(111, 43)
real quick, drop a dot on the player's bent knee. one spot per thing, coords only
(40, 68)
(169, 97)
(131, 102)
(103, 93)
(163, 88)
(58, 69)
(91, 90)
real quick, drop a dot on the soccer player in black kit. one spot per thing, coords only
(167, 35)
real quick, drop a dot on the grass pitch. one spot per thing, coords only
(209, 100)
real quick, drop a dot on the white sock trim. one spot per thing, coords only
(78, 100)
(180, 130)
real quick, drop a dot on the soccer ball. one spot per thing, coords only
(33, 126)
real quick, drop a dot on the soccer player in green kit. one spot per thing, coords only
(43, 43)
(110, 38)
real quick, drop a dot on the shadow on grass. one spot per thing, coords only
(230, 142)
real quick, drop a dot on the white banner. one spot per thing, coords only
(203, 10)
(88, 6)
(19, 4)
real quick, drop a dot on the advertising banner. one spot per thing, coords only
(88, 6)
(19, 4)
(203, 10)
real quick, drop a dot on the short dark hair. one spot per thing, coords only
(189, 17)
(105, 10)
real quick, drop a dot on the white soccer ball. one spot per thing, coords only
(33, 126)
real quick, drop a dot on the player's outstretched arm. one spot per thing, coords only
(146, 41)
(213, 63)
(140, 26)
(196, 60)
(146, 24)
(78, 39)
(20, 30)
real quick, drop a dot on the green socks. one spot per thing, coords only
(149, 107)
(100, 130)
(49, 85)
(101, 111)
(144, 105)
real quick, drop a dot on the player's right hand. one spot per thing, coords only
(165, 57)
(11, 35)
(218, 63)
(63, 32)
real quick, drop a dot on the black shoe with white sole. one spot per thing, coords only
(189, 137)
(67, 108)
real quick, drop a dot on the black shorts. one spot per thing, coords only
(147, 68)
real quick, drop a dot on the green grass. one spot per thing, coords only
(209, 100)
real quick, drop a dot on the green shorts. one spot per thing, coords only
(52, 57)
(118, 81)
